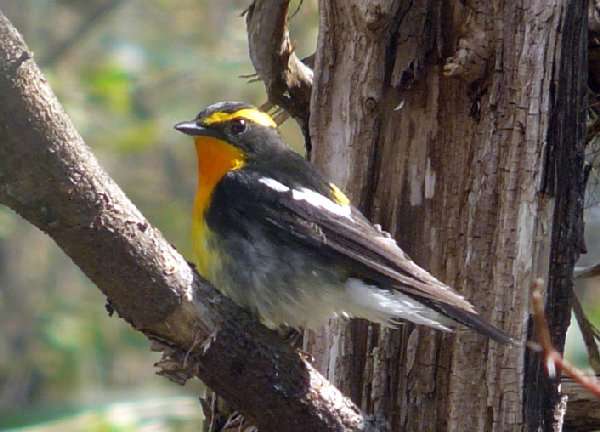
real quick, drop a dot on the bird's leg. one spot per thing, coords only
(292, 336)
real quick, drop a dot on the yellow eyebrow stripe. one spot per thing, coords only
(251, 114)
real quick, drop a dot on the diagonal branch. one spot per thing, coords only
(587, 272)
(51, 178)
(287, 79)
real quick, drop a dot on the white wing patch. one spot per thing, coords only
(384, 306)
(317, 200)
(274, 184)
(313, 198)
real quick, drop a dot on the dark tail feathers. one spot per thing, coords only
(477, 323)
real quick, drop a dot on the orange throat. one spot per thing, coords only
(215, 159)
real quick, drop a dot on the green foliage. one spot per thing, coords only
(177, 414)
(108, 86)
(137, 137)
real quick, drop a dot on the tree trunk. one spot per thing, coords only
(474, 163)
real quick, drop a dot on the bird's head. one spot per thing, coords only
(237, 124)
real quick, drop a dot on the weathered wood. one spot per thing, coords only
(564, 181)
(450, 156)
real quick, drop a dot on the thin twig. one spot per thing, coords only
(553, 361)
(587, 272)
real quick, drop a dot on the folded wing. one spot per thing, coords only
(315, 219)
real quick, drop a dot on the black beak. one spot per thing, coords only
(192, 128)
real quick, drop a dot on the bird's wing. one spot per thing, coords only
(317, 220)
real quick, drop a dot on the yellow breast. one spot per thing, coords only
(215, 159)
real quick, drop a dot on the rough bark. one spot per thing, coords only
(50, 177)
(583, 409)
(564, 180)
(475, 164)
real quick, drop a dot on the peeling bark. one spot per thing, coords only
(457, 170)
(50, 177)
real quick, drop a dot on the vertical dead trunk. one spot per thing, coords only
(459, 127)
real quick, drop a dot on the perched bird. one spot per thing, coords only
(276, 237)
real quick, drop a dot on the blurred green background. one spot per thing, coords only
(125, 71)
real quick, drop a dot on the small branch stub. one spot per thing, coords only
(287, 79)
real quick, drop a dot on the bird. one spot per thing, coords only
(279, 239)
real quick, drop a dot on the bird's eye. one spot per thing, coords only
(237, 126)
